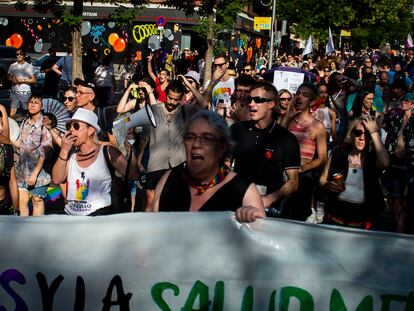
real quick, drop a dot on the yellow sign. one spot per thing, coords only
(345, 33)
(262, 23)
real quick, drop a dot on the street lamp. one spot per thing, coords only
(272, 34)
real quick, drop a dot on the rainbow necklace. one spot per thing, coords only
(201, 188)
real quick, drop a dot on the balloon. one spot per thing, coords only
(168, 34)
(154, 42)
(5, 22)
(38, 46)
(119, 45)
(39, 27)
(258, 42)
(86, 28)
(111, 24)
(112, 38)
(8, 42)
(16, 40)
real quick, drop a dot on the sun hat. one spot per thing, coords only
(193, 75)
(87, 117)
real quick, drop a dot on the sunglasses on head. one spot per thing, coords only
(69, 98)
(258, 100)
(75, 125)
(357, 132)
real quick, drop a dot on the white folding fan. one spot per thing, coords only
(56, 112)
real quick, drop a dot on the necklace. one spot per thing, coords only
(201, 188)
(300, 122)
(86, 156)
(355, 164)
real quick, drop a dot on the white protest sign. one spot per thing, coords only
(288, 80)
(199, 261)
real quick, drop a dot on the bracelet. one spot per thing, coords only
(376, 131)
(62, 158)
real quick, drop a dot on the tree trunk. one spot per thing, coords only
(77, 54)
(210, 49)
(77, 42)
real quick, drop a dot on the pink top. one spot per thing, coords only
(307, 145)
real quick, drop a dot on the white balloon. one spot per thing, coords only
(86, 28)
(5, 22)
(38, 46)
(111, 24)
(154, 42)
(168, 34)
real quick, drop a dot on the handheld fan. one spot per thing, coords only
(56, 112)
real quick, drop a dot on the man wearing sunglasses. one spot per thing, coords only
(221, 86)
(85, 95)
(21, 75)
(265, 151)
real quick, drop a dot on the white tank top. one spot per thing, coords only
(88, 189)
(322, 114)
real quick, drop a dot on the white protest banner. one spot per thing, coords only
(288, 80)
(199, 261)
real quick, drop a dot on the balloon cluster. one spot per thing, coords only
(15, 40)
(118, 43)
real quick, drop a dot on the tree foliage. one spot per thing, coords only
(371, 22)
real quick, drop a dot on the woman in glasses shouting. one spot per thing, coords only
(204, 183)
(351, 176)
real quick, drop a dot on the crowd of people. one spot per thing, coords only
(337, 150)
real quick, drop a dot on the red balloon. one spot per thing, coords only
(119, 45)
(16, 40)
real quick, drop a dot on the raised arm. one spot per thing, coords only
(383, 158)
(201, 100)
(149, 65)
(124, 105)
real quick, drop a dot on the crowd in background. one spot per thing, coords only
(338, 149)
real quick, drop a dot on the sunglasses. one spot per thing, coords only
(246, 70)
(357, 132)
(258, 100)
(19, 53)
(75, 125)
(69, 98)
(285, 99)
(219, 65)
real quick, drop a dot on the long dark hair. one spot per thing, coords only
(358, 102)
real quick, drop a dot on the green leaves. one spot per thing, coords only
(371, 22)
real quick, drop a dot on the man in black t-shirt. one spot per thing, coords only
(265, 152)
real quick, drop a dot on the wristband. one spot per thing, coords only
(62, 158)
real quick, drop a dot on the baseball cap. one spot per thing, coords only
(83, 83)
(87, 117)
(193, 75)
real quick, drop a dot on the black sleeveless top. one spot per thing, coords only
(176, 197)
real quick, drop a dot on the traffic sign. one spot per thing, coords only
(161, 21)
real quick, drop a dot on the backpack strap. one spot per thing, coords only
(108, 161)
(110, 166)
